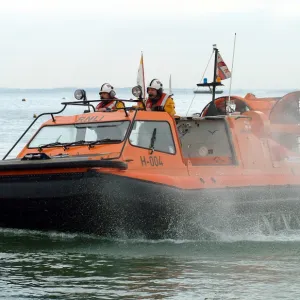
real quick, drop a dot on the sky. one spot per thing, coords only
(71, 43)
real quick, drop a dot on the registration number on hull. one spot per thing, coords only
(152, 160)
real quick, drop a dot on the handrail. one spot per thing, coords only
(85, 102)
(43, 114)
(126, 138)
(81, 103)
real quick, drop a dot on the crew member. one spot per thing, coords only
(158, 100)
(107, 92)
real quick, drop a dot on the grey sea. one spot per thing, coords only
(219, 265)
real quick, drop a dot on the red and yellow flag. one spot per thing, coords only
(222, 70)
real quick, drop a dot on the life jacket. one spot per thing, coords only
(105, 104)
(161, 102)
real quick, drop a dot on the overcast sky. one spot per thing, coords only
(63, 43)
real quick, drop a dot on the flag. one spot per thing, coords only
(222, 70)
(141, 76)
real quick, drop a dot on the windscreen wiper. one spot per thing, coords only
(65, 145)
(40, 148)
(152, 142)
(103, 141)
(81, 142)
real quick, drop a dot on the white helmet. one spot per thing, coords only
(155, 84)
(107, 88)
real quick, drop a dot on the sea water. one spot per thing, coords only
(223, 265)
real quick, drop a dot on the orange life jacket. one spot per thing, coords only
(105, 104)
(161, 102)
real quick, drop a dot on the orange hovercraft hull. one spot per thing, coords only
(162, 178)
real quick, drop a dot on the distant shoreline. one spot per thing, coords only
(96, 89)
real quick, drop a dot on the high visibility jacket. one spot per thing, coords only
(112, 104)
(165, 103)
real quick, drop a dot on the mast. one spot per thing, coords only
(214, 82)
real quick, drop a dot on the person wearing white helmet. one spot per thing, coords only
(107, 92)
(158, 100)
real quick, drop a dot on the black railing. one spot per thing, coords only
(43, 114)
(88, 103)
(78, 103)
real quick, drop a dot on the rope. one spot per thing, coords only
(200, 81)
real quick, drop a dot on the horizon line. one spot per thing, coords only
(181, 88)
